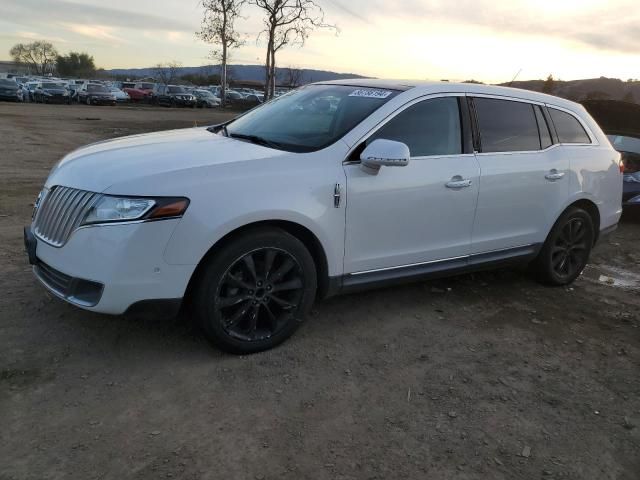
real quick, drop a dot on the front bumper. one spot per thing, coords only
(110, 268)
(184, 102)
(56, 98)
(13, 97)
(102, 100)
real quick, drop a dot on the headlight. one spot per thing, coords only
(110, 209)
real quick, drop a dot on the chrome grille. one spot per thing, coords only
(60, 212)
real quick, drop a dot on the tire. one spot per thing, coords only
(238, 310)
(172, 103)
(88, 100)
(566, 250)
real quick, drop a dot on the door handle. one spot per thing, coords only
(554, 175)
(458, 182)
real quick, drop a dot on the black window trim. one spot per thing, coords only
(585, 127)
(544, 106)
(353, 156)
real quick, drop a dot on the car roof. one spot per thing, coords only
(426, 88)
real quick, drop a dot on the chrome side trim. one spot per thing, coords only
(432, 262)
(408, 265)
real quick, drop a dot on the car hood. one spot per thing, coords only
(102, 165)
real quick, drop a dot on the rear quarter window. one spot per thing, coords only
(568, 127)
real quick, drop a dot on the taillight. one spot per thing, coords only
(621, 163)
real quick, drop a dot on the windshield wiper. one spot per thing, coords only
(217, 128)
(257, 140)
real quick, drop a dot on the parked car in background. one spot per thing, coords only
(400, 182)
(205, 98)
(629, 148)
(174, 96)
(10, 90)
(30, 88)
(620, 121)
(52, 92)
(252, 100)
(95, 94)
(120, 95)
(139, 91)
(233, 97)
(73, 90)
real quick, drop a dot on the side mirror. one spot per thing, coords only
(388, 153)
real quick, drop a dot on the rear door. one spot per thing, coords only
(524, 178)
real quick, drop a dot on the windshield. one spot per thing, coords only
(52, 85)
(96, 89)
(146, 86)
(312, 117)
(203, 93)
(8, 83)
(176, 90)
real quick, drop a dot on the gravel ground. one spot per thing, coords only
(485, 376)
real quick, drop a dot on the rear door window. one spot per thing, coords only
(431, 127)
(506, 125)
(568, 127)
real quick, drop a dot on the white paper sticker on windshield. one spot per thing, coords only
(369, 93)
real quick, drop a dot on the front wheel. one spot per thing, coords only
(254, 293)
(566, 251)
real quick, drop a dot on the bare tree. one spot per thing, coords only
(291, 77)
(286, 22)
(166, 73)
(39, 56)
(218, 28)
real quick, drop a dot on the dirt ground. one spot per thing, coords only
(485, 376)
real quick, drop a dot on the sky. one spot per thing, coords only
(486, 40)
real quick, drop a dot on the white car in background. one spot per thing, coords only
(121, 97)
(334, 187)
(205, 98)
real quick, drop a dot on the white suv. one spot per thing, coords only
(330, 188)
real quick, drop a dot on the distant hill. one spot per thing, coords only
(251, 73)
(589, 89)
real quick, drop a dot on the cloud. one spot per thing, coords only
(93, 31)
(32, 12)
(612, 25)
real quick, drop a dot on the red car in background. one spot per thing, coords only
(139, 91)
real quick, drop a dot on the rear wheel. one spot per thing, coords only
(566, 251)
(88, 100)
(254, 292)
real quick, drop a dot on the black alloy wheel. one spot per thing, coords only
(253, 293)
(569, 254)
(259, 293)
(566, 251)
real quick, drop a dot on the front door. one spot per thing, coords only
(419, 213)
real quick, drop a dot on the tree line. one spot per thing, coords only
(42, 58)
